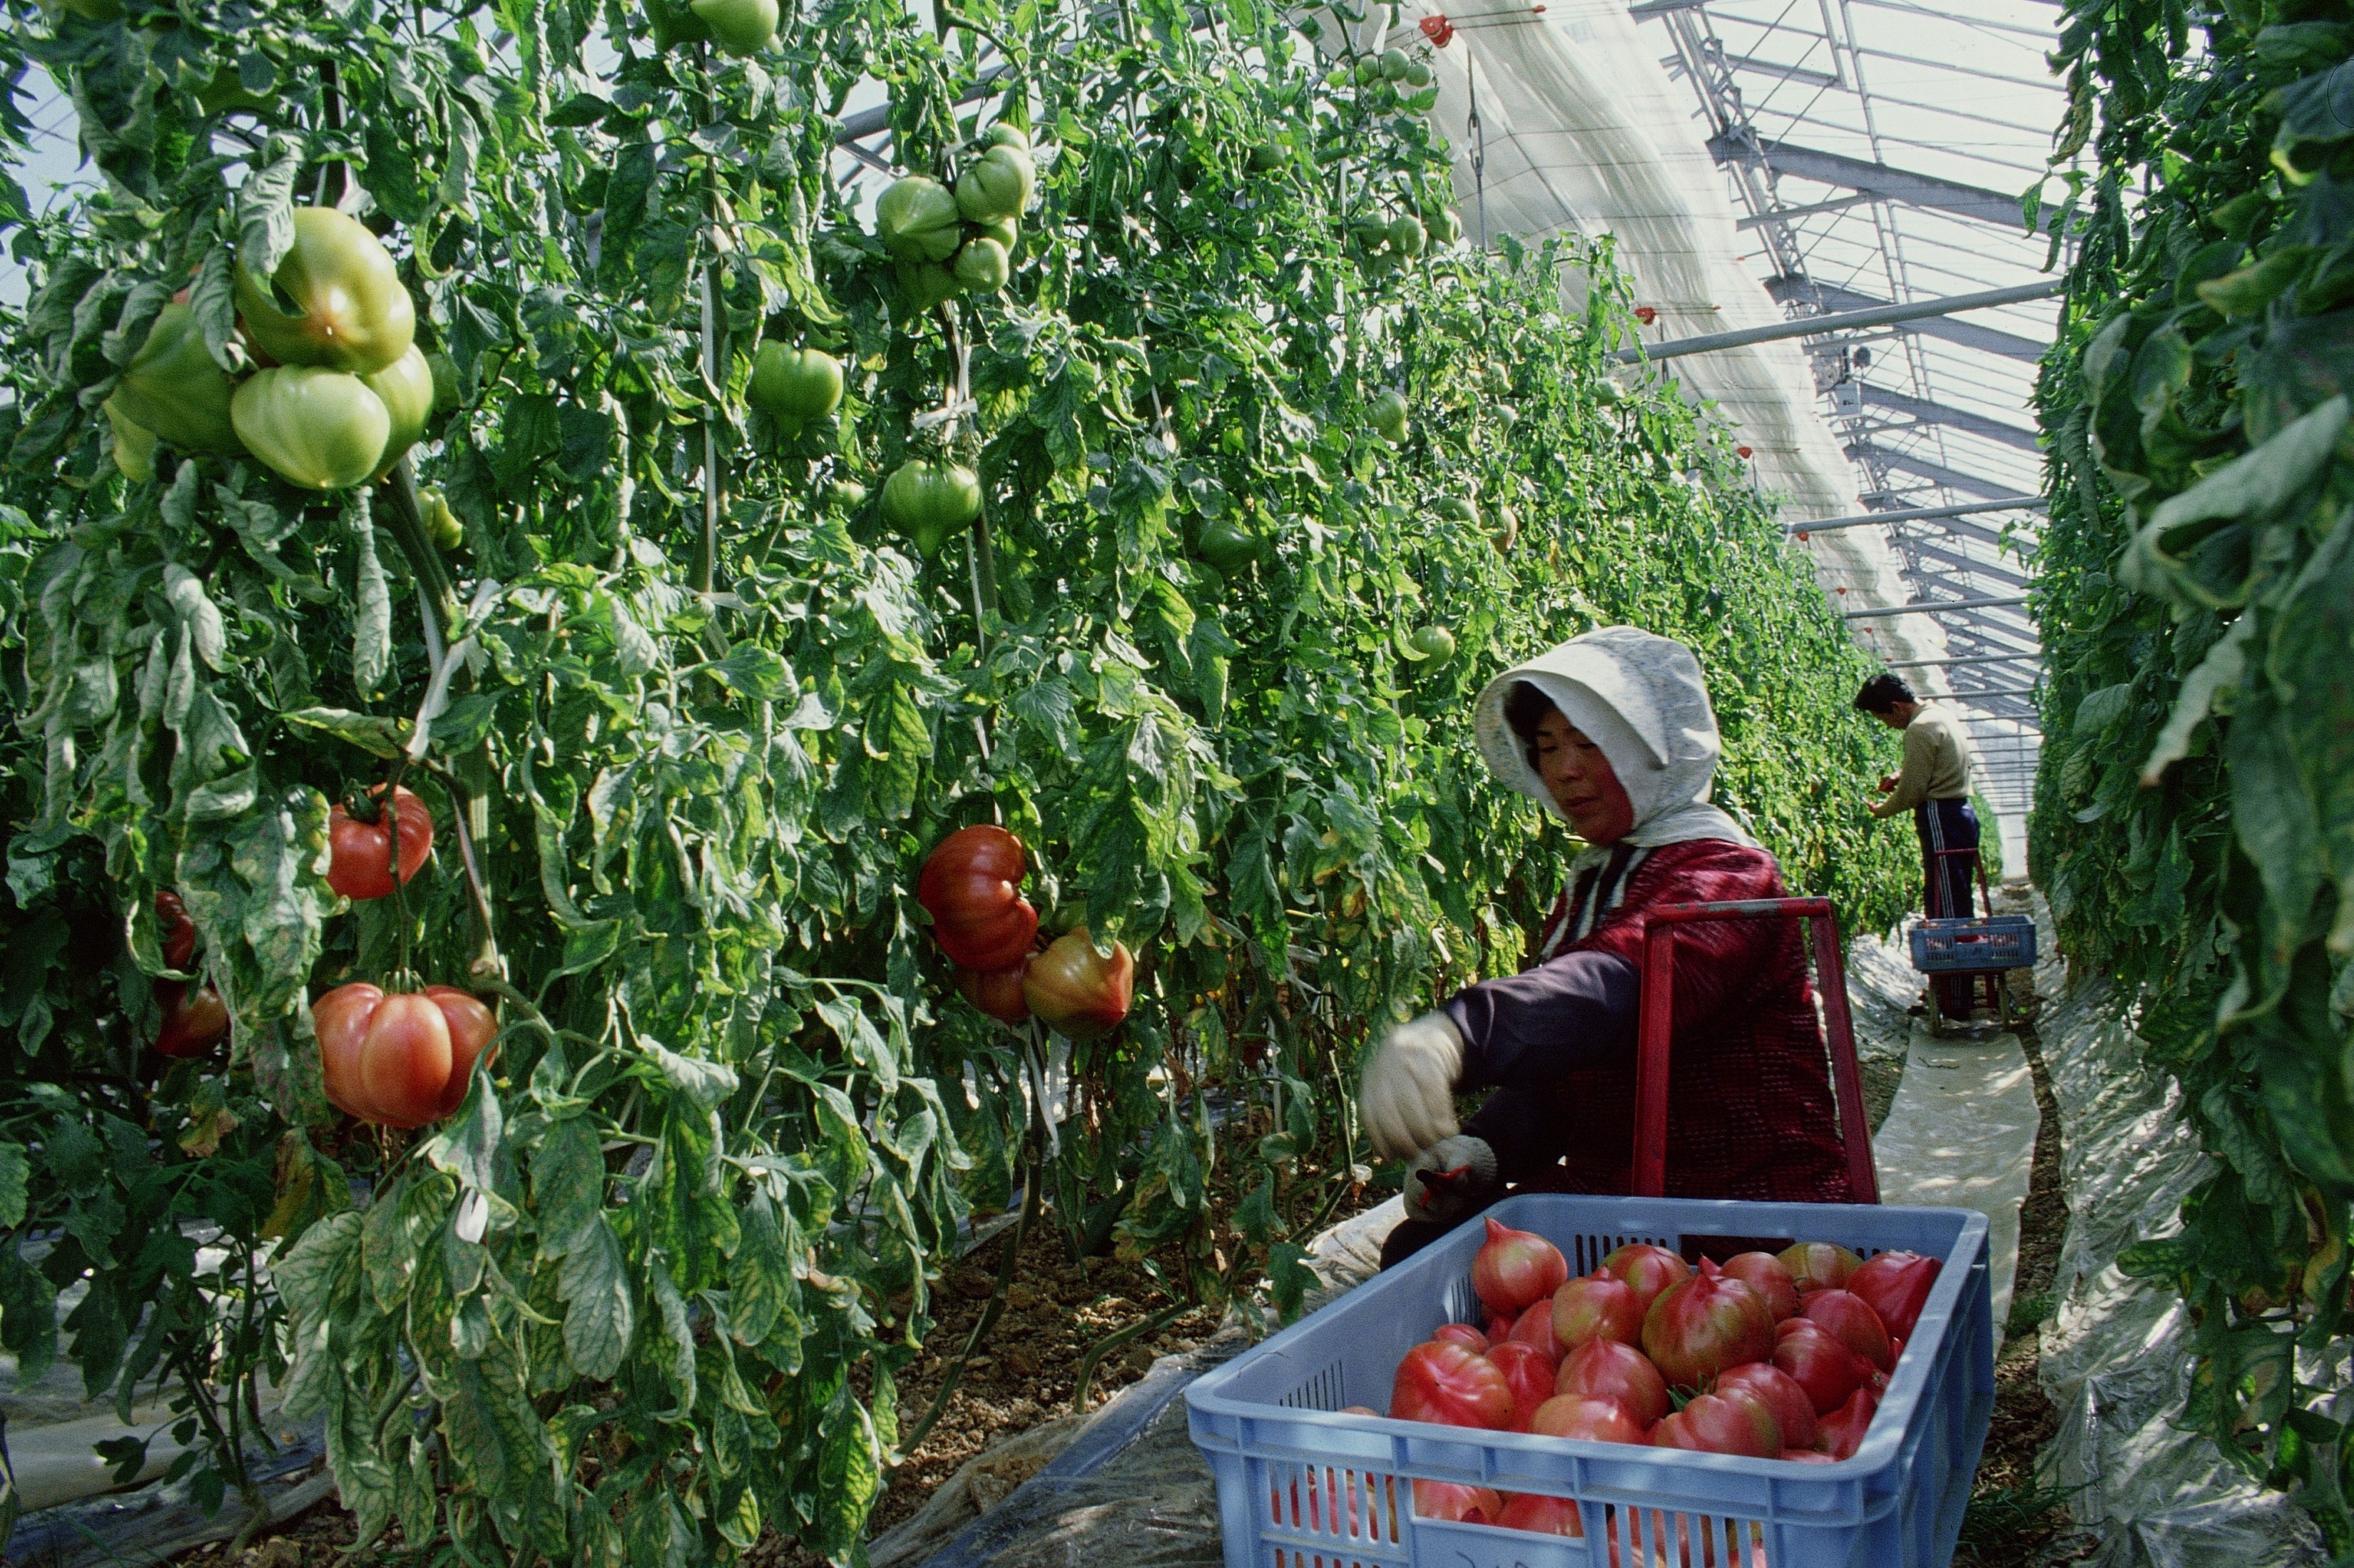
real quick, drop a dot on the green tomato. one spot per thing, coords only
(174, 387)
(1371, 233)
(1456, 509)
(739, 26)
(1435, 644)
(406, 388)
(1369, 71)
(446, 398)
(1507, 530)
(320, 428)
(998, 183)
(796, 383)
(1444, 227)
(1005, 135)
(983, 266)
(915, 219)
(1394, 65)
(845, 494)
(441, 524)
(1508, 415)
(930, 501)
(1417, 75)
(1407, 236)
(926, 284)
(134, 445)
(1228, 545)
(336, 301)
(1267, 158)
(1004, 230)
(1389, 413)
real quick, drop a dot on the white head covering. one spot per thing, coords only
(1640, 699)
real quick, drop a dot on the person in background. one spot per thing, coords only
(1934, 784)
(1612, 733)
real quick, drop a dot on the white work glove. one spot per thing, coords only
(1407, 1094)
(1452, 1179)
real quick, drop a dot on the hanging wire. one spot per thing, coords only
(1479, 135)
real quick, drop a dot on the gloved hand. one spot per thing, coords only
(1407, 1094)
(1452, 1178)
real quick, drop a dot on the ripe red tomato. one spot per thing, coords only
(1451, 1385)
(177, 931)
(997, 992)
(970, 885)
(361, 863)
(1076, 990)
(401, 1060)
(194, 1019)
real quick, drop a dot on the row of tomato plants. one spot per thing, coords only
(757, 534)
(2193, 825)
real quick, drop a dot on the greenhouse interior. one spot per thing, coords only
(1007, 784)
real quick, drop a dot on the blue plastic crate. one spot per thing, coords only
(1989, 942)
(1300, 1485)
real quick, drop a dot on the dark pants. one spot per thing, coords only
(1948, 879)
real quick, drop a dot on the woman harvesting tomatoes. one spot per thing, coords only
(1613, 732)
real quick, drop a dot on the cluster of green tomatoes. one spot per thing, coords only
(340, 390)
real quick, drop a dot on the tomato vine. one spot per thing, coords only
(2193, 825)
(688, 713)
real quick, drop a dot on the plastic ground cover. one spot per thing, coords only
(2115, 1355)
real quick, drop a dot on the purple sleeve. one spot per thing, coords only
(1524, 1033)
(1528, 1029)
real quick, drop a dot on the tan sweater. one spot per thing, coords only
(1936, 762)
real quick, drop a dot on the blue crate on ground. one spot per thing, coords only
(1301, 1486)
(1989, 942)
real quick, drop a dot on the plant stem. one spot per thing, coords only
(1116, 1340)
(706, 548)
(425, 563)
(1008, 1262)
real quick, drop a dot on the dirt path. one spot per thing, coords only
(2013, 1521)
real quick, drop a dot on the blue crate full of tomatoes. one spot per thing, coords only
(1695, 1383)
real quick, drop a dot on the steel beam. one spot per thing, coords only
(1875, 180)
(1929, 413)
(1785, 214)
(1844, 304)
(1972, 658)
(1877, 314)
(1938, 474)
(2003, 692)
(1932, 607)
(1919, 515)
(1967, 563)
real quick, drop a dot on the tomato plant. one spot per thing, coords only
(688, 713)
(2191, 822)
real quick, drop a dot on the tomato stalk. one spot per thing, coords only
(1009, 1261)
(707, 544)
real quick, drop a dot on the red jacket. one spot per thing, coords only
(1750, 1108)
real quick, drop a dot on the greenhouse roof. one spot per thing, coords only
(1757, 159)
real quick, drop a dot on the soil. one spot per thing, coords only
(2014, 1521)
(1024, 1372)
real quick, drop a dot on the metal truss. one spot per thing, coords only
(1873, 150)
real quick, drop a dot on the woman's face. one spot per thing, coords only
(1581, 782)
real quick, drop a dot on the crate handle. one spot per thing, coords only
(1656, 1020)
